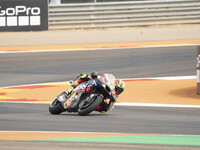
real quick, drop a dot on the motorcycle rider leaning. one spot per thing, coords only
(104, 107)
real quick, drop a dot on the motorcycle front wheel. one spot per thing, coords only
(90, 105)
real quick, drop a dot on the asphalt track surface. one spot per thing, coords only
(28, 68)
(31, 68)
(35, 117)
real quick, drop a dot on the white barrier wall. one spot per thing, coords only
(124, 14)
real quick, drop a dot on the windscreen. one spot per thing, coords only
(110, 81)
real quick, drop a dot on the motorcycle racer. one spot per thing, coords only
(70, 106)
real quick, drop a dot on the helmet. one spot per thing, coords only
(94, 74)
(119, 86)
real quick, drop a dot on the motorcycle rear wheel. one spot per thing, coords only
(95, 102)
(55, 107)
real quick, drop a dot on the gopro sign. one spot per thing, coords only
(31, 17)
(23, 15)
(20, 9)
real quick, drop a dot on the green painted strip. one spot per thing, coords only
(149, 139)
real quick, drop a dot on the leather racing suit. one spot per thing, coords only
(72, 104)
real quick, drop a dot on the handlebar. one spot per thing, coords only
(110, 96)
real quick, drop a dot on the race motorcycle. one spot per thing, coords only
(88, 95)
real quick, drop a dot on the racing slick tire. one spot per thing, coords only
(55, 107)
(95, 102)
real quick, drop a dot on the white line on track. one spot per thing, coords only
(61, 132)
(71, 132)
(67, 82)
(156, 105)
(112, 48)
(127, 79)
(163, 78)
(126, 104)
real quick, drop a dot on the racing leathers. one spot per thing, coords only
(71, 105)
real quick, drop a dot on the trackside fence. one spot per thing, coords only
(124, 14)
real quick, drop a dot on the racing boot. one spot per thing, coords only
(71, 105)
(101, 109)
(104, 107)
(63, 97)
(69, 91)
